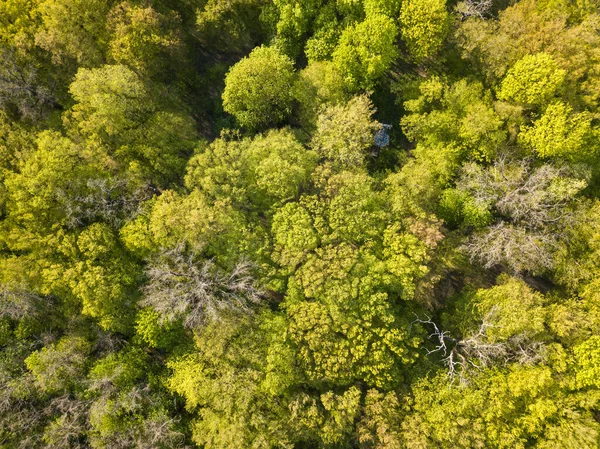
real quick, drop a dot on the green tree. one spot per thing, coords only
(327, 29)
(258, 88)
(533, 80)
(59, 367)
(561, 133)
(366, 51)
(318, 85)
(425, 25)
(345, 132)
(501, 409)
(294, 21)
(222, 383)
(253, 173)
(115, 107)
(341, 281)
(390, 8)
(461, 115)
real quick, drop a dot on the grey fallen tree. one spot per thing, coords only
(477, 351)
(182, 287)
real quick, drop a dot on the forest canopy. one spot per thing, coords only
(298, 224)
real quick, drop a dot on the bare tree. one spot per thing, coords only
(156, 430)
(20, 418)
(105, 199)
(514, 246)
(20, 87)
(477, 351)
(522, 194)
(475, 8)
(534, 207)
(69, 425)
(181, 287)
(17, 304)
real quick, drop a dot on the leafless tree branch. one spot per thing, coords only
(106, 199)
(477, 351)
(181, 287)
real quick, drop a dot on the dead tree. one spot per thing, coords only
(475, 8)
(533, 208)
(17, 303)
(478, 351)
(106, 199)
(180, 286)
(20, 87)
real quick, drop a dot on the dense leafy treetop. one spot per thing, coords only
(258, 88)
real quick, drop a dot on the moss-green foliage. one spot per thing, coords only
(341, 224)
(69, 30)
(227, 25)
(294, 20)
(142, 38)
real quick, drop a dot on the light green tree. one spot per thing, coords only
(500, 409)
(533, 81)
(425, 25)
(345, 132)
(561, 133)
(258, 89)
(390, 8)
(366, 51)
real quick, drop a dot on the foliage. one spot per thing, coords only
(344, 133)
(115, 107)
(366, 51)
(561, 133)
(532, 81)
(227, 25)
(73, 30)
(425, 25)
(299, 224)
(142, 38)
(258, 88)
